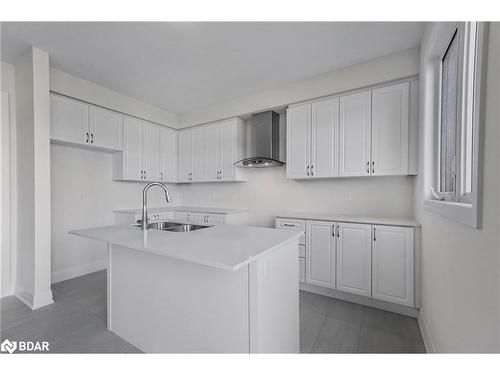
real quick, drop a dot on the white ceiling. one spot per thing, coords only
(182, 66)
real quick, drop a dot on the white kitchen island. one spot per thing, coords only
(221, 289)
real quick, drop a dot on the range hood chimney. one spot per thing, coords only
(265, 142)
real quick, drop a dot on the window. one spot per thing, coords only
(456, 114)
(457, 183)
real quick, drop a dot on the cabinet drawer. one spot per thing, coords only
(302, 270)
(293, 224)
(302, 251)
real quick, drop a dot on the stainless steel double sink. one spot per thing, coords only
(173, 227)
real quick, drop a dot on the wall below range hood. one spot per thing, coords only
(264, 148)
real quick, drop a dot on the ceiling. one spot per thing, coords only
(182, 66)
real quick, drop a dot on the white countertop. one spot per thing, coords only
(404, 222)
(227, 247)
(207, 210)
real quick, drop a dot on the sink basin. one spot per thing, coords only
(185, 228)
(173, 227)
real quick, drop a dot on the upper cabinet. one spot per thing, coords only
(298, 134)
(390, 117)
(369, 133)
(106, 128)
(168, 155)
(149, 152)
(208, 153)
(355, 134)
(76, 122)
(312, 138)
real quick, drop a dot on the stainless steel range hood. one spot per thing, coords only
(264, 142)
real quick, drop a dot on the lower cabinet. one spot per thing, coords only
(354, 256)
(374, 261)
(393, 264)
(320, 253)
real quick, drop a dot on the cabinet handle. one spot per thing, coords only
(307, 170)
(333, 230)
(368, 167)
(142, 174)
(145, 174)
(312, 173)
(374, 234)
(161, 175)
(87, 137)
(91, 137)
(288, 225)
(373, 167)
(338, 230)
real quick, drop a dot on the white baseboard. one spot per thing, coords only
(35, 301)
(80, 270)
(424, 330)
(361, 300)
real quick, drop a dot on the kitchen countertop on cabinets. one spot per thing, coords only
(227, 247)
(208, 210)
(404, 222)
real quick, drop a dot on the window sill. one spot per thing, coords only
(460, 212)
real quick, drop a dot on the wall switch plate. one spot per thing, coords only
(347, 196)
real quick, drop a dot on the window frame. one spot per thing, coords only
(463, 206)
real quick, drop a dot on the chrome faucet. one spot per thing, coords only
(144, 223)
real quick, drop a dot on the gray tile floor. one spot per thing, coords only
(328, 325)
(76, 323)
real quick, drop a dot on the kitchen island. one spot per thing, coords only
(220, 289)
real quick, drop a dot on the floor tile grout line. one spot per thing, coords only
(319, 332)
(360, 328)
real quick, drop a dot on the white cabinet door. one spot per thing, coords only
(133, 149)
(212, 151)
(151, 152)
(184, 156)
(168, 155)
(355, 137)
(325, 138)
(302, 270)
(393, 262)
(354, 258)
(390, 130)
(227, 148)
(106, 128)
(198, 153)
(298, 133)
(69, 120)
(320, 254)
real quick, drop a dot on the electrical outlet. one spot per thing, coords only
(347, 196)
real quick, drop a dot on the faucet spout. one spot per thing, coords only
(144, 223)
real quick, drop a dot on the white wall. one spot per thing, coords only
(83, 196)
(394, 66)
(267, 193)
(460, 265)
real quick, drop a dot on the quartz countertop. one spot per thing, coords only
(228, 247)
(404, 222)
(207, 210)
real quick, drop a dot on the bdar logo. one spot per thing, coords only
(8, 346)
